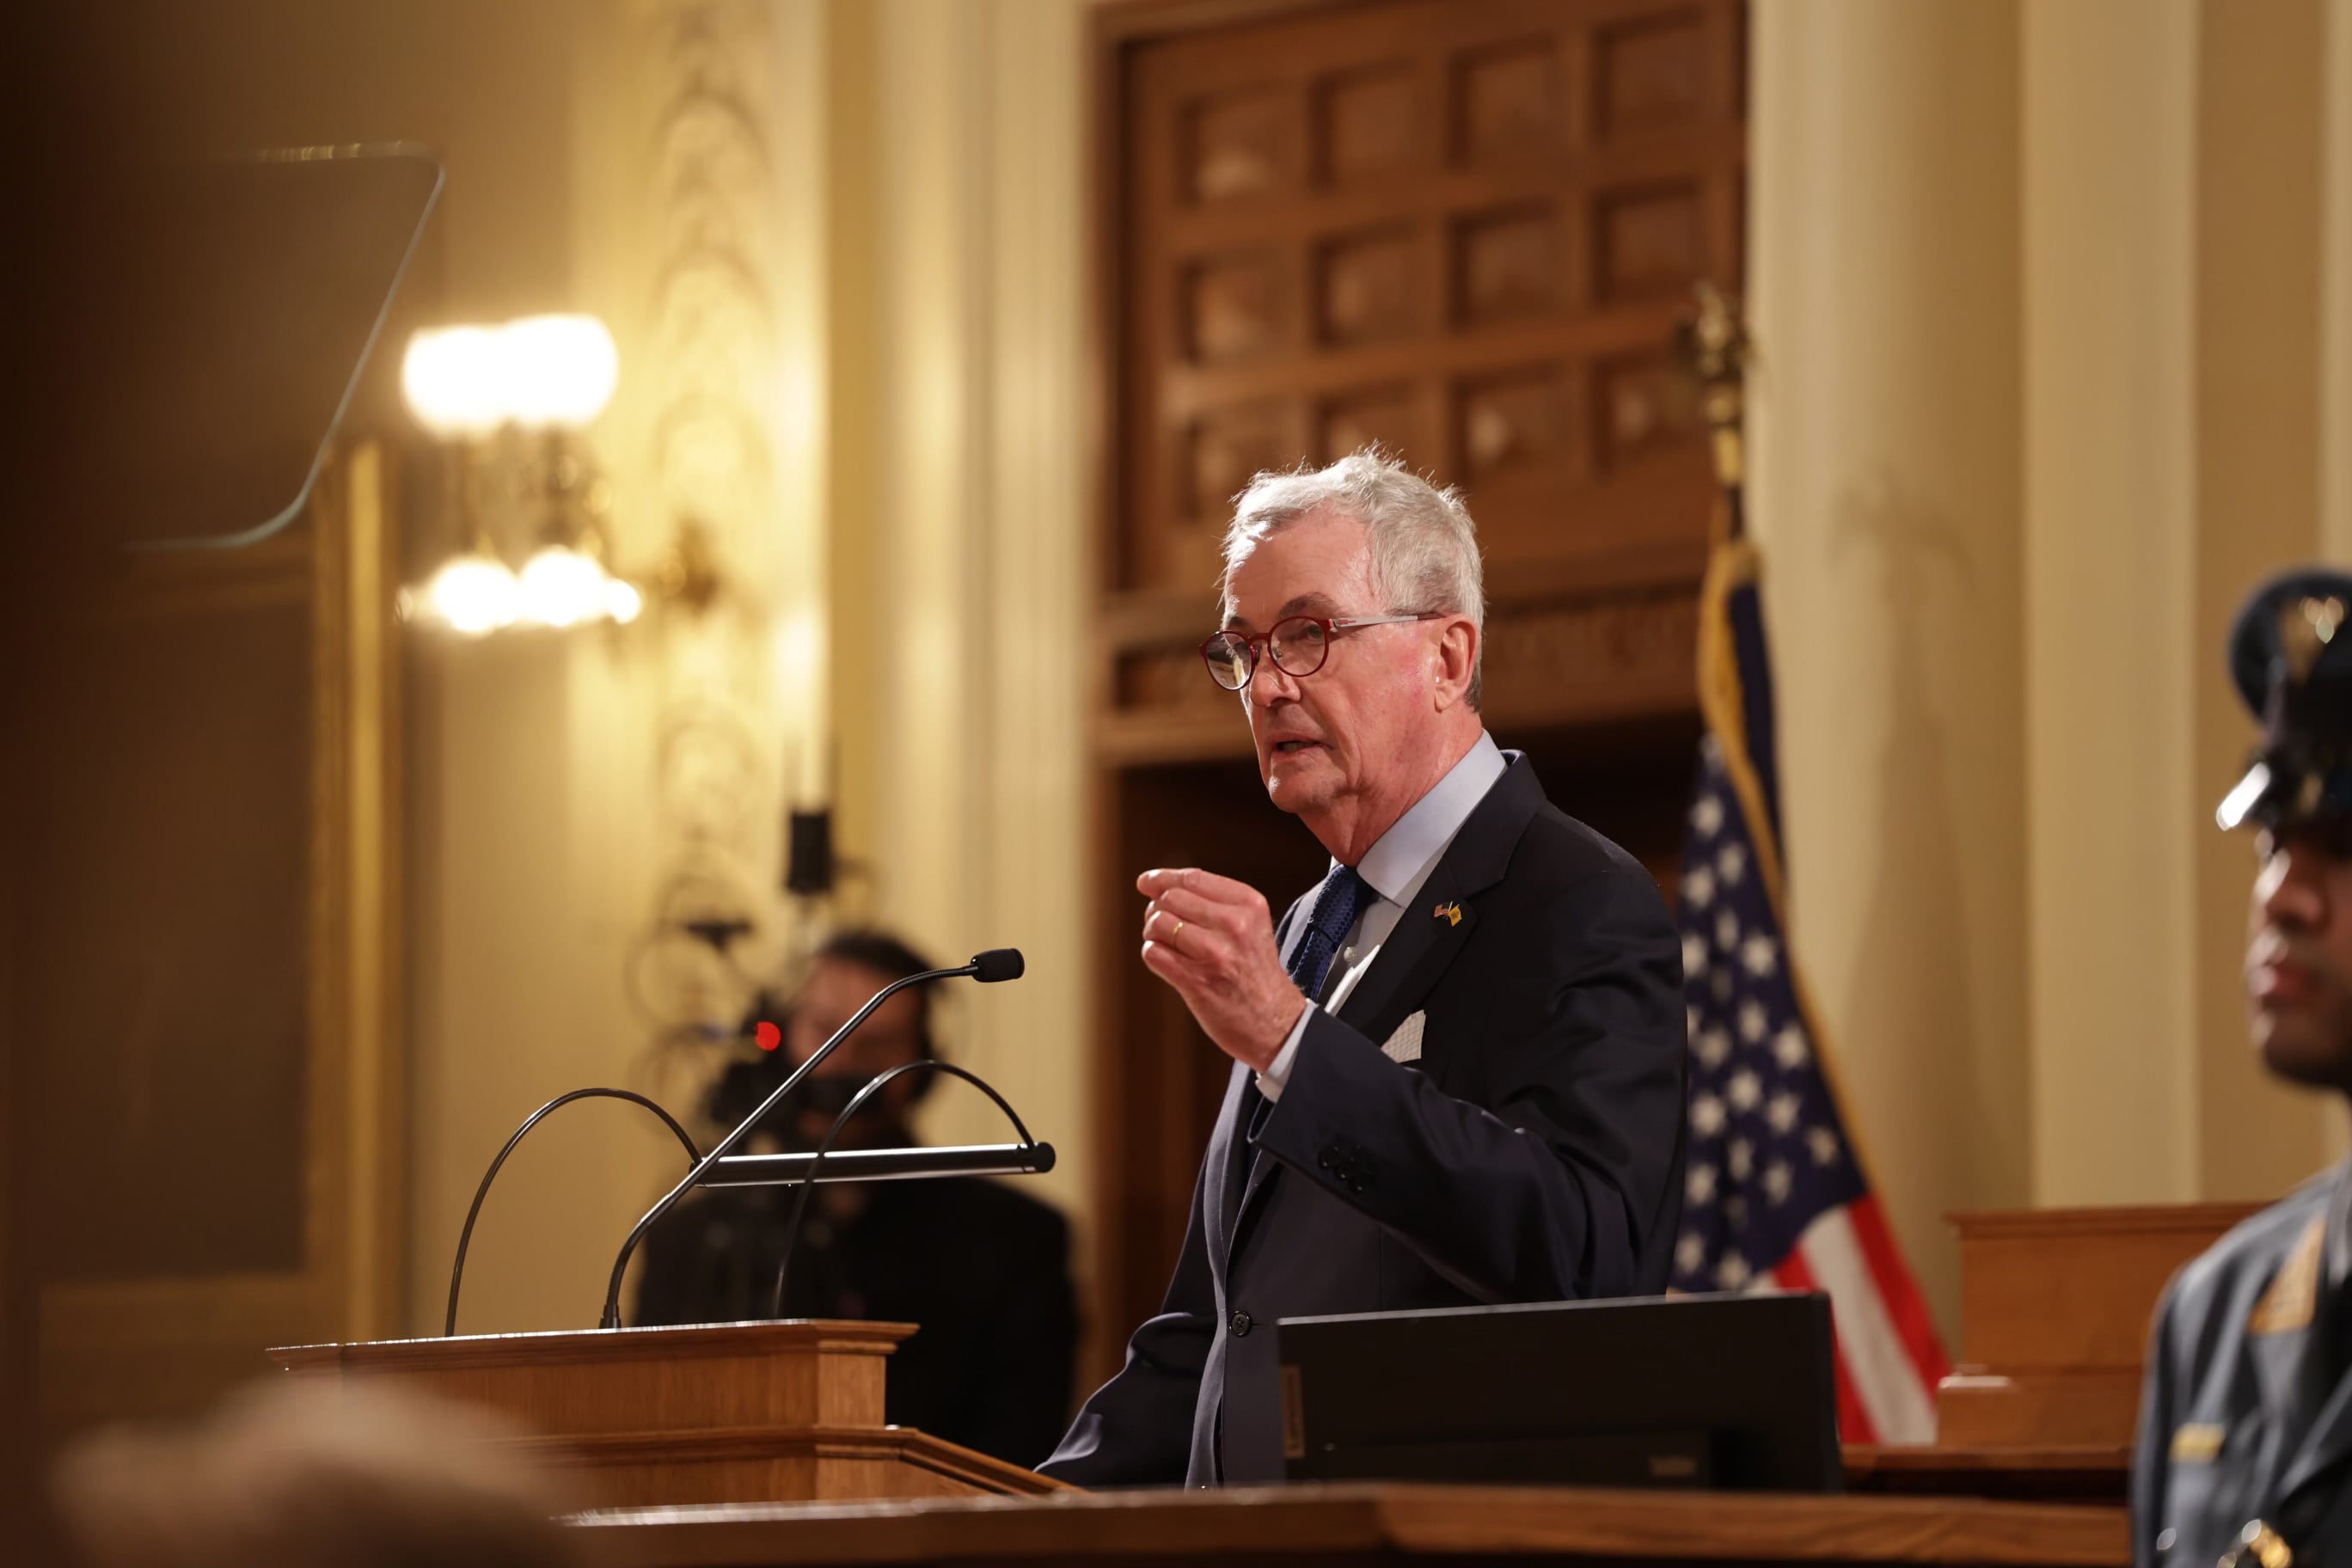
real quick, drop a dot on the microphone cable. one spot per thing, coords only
(466, 1237)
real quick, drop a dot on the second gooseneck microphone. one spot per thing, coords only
(987, 968)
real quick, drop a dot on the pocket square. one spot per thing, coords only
(1404, 1046)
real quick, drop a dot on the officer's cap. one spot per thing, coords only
(2291, 655)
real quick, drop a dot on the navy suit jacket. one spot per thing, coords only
(1533, 1153)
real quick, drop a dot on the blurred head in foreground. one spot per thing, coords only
(291, 1476)
(2291, 657)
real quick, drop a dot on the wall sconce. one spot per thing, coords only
(545, 379)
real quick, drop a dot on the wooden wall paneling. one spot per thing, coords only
(1466, 231)
(233, 1134)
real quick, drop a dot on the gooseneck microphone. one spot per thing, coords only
(987, 968)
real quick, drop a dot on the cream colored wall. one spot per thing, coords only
(977, 539)
(2035, 288)
(2336, 278)
(2260, 131)
(900, 184)
(2110, 524)
(1885, 500)
(532, 770)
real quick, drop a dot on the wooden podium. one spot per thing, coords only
(775, 1412)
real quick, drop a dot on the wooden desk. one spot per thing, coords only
(2055, 1307)
(2083, 1472)
(1341, 1525)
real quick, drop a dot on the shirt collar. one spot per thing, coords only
(1401, 857)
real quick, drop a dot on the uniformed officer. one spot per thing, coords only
(2245, 1437)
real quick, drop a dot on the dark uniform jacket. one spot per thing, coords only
(2247, 1414)
(1533, 1152)
(982, 1271)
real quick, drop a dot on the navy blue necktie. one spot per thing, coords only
(1334, 912)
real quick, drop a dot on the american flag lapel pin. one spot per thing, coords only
(1450, 914)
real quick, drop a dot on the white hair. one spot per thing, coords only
(1423, 546)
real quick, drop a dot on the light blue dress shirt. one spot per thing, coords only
(1394, 868)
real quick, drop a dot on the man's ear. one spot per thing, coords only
(1454, 661)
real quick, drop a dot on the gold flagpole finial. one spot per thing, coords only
(1715, 348)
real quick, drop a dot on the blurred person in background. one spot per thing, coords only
(982, 1269)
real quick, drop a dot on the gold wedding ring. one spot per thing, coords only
(1177, 932)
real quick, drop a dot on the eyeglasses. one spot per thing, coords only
(1297, 643)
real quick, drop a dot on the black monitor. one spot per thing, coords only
(1733, 1392)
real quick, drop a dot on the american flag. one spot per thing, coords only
(1776, 1195)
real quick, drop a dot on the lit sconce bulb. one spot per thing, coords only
(537, 372)
(474, 593)
(454, 380)
(622, 600)
(562, 586)
(560, 370)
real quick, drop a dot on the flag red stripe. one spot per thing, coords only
(1899, 1291)
(1853, 1422)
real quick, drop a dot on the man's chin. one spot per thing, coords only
(1300, 784)
(1293, 795)
(2299, 1044)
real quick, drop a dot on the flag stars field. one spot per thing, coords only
(1698, 1186)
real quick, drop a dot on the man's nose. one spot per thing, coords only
(2294, 885)
(1270, 683)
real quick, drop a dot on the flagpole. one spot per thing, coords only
(1715, 348)
(1756, 1034)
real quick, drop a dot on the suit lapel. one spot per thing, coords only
(1413, 959)
(1228, 1152)
(1427, 935)
(1416, 952)
(1240, 1172)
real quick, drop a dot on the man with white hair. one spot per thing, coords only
(1458, 1064)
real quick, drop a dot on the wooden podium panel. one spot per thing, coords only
(2056, 1305)
(731, 1413)
(1367, 1524)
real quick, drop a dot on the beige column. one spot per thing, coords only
(2335, 326)
(2260, 397)
(1037, 577)
(2113, 792)
(979, 464)
(2336, 274)
(1886, 488)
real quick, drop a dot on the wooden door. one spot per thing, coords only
(1466, 231)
